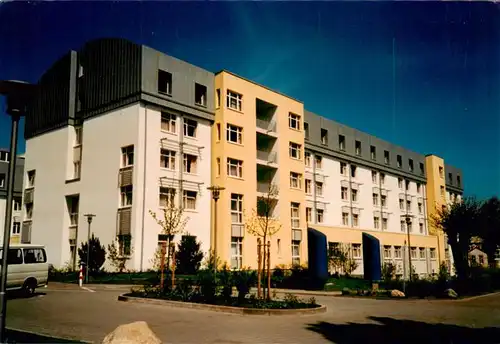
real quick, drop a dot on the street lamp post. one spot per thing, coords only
(215, 195)
(17, 94)
(408, 223)
(89, 220)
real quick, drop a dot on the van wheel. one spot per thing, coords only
(29, 287)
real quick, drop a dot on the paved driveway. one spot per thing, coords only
(80, 314)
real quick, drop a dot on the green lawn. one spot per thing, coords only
(111, 278)
(338, 284)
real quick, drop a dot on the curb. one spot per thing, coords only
(222, 309)
(303, 292)
(48, 335)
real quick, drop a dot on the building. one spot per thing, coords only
(18, 190)
(112, 121)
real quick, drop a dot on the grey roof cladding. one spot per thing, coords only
(453, 183)
(109, 73)
(18, 179)
(316, 123)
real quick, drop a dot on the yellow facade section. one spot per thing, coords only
(258, 120)
(436, 196)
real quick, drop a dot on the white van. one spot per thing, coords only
(27, 267)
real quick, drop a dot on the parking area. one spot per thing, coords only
(89, 314)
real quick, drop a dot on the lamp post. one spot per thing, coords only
(89, 220)
(215, 189)
(408, 223)
(17, 94)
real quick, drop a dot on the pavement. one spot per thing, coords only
(89, 314)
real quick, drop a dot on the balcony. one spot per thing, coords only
(266, 126)
(28, 195)
(265, 117)
(26, 232)
(267, 158)
(73, 230)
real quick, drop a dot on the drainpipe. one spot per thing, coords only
(349, 172)
(381, 207)
(144, 186)
(313, 189)
(181, 160)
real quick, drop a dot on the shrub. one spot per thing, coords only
(225, 279)
(188, 256)
(244, 280)
(388, 272)
(97, 255)
(207, 285)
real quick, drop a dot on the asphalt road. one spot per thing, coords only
(79, 314)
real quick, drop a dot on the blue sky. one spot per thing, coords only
(335, 57)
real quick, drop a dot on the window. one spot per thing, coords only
(419, 187)
(481, 259)
(32, 175)
(217, 96)
(410, 165)
(376, 222)
(387, 158)
(234, 134)
(295, 180)
(407, 185)
(168, 122)
(343, 192)
(234, 168)
(342, 142)
(422, 168)
(16, 228)
(2, 180)
(189, 199)
(441, 171)
(421, 227)
(354, 195)
(78, 136)
(307, 158)
(399, 161)
(319, 188)
(343, 168)
(413, 252)
(384, 223)
(236, 253)
(29, 210)
(308, 214)
(442, 190)
(357, 148)
(200, 94)
(126, 196)
(278, 246)
(408, 206)
(382, 178)
(459, 181)
(422, 252)
(353, 171)
(17, 204)
(294, 150)
(383, 200)
(218, 167)
(4, 156)
(355, 220)
(373, 153)
(375, 199)
(164, 82)
(124, 245)
(77, 168)
(295, 252)
(234, 100)
(190, 127)
(167, 159)
(387, 251)
(218, 132)
(356, 250)
(34, 256)
(319, 215)
(295, 214)
(293, 121)
(400, 183)
(345, 219)
(127, 156)
(432, 253)
(319, 161)
(14, 256)
(167, 197)
(306, 130)
(401, 204)
(324, 137)
(403, 227)
(190, 162)
(409, 227)
(236, 208)
(420, 207)
(374, 177)
(308, 186)
(397, 252)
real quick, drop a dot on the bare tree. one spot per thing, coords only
(264, 224)
(171, 220)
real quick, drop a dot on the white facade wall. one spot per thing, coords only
(51, 155)
(16, 217)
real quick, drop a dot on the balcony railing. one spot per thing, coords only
(266, 156)
(73, 219)
(26, 232)
(262, 187)
(72, 233)
(266, 125)
(28, 195)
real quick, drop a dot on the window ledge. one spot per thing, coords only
(190, 210)
(235, 110)
(125, 207)
(235, 143)
(74, 180)
(168, 132)
(165, 93)
(201, 105)
(235, 177)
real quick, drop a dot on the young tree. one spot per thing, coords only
(119, 252)
(263, 223)
(188, 256)
(97, 255)
(460, 222)
(171, 220)
(340, 260)
(490, 228)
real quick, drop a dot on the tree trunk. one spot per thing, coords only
(269, 270)
(259, 261)
(264, 265)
